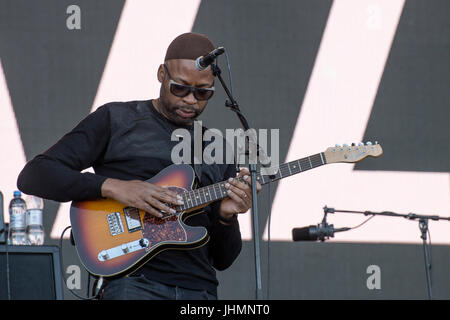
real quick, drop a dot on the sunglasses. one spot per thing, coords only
(181, 90)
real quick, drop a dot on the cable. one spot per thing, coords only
(8, 280)
(429, 254)
(229, 73)
(5, 231)
(62, 268)
(88, 284)
(359, 225)
(228, 103)
(268, 242)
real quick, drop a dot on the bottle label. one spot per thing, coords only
(17, 218)
(34, 217)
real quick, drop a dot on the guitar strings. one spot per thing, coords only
(197, 197)
(193, 195)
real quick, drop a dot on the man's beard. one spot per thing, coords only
(170, 111)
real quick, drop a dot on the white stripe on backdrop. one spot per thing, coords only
(336, 109)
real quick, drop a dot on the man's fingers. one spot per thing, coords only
(166, 195)
(242, 197)
(158, 205)
(148, 208)
(249, 181)
(239, 184)
(243, 171)
(245, 174)
(236, 198)
(173, 199)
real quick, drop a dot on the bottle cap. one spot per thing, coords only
(17, 194)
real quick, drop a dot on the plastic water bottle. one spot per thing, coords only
(35, 229)
(17, 222)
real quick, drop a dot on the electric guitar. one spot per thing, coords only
(113, 239)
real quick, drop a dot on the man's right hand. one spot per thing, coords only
(142, 195)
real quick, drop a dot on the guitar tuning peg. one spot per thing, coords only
(368, 143)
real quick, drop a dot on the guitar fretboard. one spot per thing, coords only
(217, 191)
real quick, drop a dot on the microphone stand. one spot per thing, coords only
(233, 106)
(423, 226)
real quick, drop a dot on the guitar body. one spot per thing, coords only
(113, 239)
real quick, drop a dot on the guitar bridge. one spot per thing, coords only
(115, 223)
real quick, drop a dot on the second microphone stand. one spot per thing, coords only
(423, 226)
(232, 105)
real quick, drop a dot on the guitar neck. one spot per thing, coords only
(201, 196)
(290, 168)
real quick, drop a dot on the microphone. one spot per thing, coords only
(201, 63)
(313, 233)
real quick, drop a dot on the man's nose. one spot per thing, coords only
(190, 98)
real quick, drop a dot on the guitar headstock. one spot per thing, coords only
(352, 153)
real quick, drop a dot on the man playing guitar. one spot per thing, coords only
(128, 143)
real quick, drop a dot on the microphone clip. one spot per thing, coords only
(320, 232)
(325, 231)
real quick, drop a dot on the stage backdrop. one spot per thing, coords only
(322, 72)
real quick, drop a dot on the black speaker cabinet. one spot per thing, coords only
(34, 273)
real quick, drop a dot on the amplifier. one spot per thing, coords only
(34, 273)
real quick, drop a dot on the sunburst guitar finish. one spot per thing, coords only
(112, 239)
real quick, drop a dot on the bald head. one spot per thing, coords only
(189, 46)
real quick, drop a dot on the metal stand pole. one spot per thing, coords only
(232, 104)
(423, 226)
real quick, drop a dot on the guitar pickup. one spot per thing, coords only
(133, 219)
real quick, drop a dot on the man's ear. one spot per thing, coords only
(161, 73)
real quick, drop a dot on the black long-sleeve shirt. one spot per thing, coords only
(128, 141)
